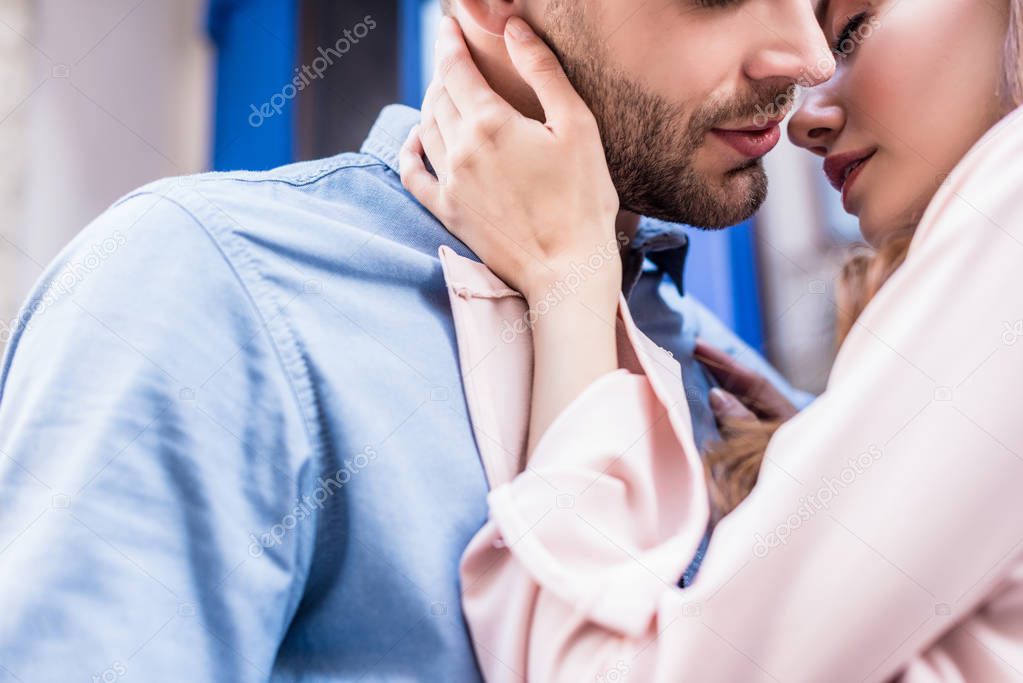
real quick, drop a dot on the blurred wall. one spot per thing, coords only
(14, 66)
(103, 96)
(800, 250)
(337, 110)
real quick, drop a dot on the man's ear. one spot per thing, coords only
(489, 15)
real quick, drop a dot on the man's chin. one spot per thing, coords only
(701, 198)
(731, 198)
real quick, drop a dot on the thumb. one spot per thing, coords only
(541, 70)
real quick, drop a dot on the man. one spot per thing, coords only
(240, 450)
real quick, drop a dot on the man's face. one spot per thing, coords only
(688, 94)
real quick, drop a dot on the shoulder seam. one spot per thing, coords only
(160, 187)
(282, 340)
(239, 253)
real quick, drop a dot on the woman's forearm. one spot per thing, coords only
(858, 556)
(573, 344)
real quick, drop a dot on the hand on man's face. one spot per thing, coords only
(677, 88)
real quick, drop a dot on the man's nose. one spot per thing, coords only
(793, 47)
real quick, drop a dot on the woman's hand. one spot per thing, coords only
(745, 394)
(533, 200)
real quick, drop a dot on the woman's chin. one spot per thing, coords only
(879, 221)
(873, 230)
(874, 225)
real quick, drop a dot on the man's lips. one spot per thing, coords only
(752, 142)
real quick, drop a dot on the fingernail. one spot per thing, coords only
(719, 400)
(517, 28)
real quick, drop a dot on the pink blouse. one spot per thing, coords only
(882, 542)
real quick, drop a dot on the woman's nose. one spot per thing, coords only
(817, 122)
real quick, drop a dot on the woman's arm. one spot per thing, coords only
(535, 202)
(883, 537)
(573, 344)
(883, 540)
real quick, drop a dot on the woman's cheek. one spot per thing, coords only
(900, 111)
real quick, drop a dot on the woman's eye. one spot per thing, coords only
(848, 38)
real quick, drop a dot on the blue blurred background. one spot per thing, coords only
(101, 96)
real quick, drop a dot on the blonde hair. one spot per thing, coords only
(733, 463)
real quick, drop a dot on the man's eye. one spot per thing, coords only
(847, 40)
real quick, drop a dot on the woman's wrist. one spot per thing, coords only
(596, 286)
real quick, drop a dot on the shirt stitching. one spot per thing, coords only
(290, 362)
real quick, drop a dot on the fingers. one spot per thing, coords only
(751, 387)
(430, 134)
(439, 125)
(542, 71)
(730, 373)
(468, 89)
(727, 408)
(414, 176)
(460, 110)
(445, 111)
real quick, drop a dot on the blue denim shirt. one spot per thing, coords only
(234, 444)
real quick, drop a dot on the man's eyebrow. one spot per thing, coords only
(822, 11)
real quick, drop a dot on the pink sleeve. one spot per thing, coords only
(884, 537)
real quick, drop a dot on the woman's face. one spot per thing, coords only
(917, 84)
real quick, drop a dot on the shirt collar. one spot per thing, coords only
(389, 134)
(663, 244)
(666, 246)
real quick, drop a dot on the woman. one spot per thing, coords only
(882, 540)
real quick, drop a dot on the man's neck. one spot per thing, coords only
(626, 226)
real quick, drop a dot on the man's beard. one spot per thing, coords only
(650, 143)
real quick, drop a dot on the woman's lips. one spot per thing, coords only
(751, 142)
(843, 170)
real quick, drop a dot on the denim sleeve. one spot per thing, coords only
(715, 332)
(151, 444)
